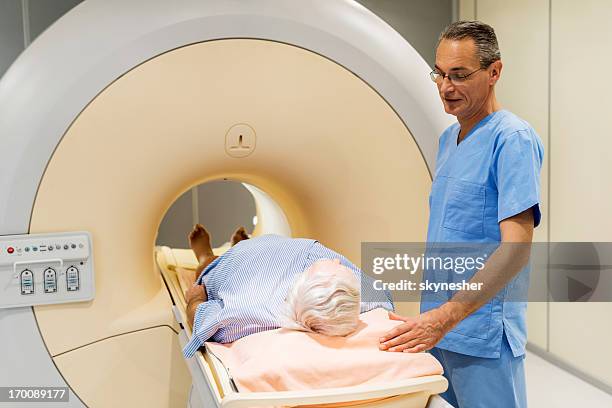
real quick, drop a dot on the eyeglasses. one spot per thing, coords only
(437, 76)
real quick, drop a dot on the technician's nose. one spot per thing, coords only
(445, 86)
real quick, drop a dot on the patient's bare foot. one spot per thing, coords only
(239, 235)
(199, 240)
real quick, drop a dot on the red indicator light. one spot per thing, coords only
(10, 250)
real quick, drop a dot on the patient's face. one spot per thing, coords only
(332, 268)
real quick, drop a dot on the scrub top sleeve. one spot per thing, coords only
(517, 174)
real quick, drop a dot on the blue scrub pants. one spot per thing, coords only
(476, 382)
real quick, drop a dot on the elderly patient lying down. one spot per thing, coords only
(269, 282)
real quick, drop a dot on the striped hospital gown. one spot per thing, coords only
(247, 286)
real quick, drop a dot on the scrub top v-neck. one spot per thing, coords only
(491, 175)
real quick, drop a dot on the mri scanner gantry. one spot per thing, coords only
(120, 107)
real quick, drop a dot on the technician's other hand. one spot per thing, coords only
(416, 334)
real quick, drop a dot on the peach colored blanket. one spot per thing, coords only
(285, 360)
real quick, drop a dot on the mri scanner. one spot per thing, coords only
(122, 106)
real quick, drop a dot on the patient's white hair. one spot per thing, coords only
(328, 304)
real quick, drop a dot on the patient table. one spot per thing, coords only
(213, 385)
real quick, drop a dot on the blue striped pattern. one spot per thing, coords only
(247, 286)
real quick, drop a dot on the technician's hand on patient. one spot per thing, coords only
(417, 334)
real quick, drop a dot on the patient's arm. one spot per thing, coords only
(196, 294)
(194, 297)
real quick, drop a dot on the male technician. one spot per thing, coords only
(485, 190)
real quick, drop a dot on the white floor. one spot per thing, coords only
(551, 387)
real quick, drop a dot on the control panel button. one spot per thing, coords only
(50, 280)
(27, 282)
(10, 250)
(72, 279)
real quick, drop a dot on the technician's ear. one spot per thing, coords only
(495, 72)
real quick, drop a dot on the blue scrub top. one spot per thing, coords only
(493, 174)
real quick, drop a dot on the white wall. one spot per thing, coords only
(581, 169)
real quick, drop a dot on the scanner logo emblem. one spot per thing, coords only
(240, 140)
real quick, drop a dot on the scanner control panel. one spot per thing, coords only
(39, 269)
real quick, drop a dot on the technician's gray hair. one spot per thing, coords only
(323, 304)
(483, 35)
